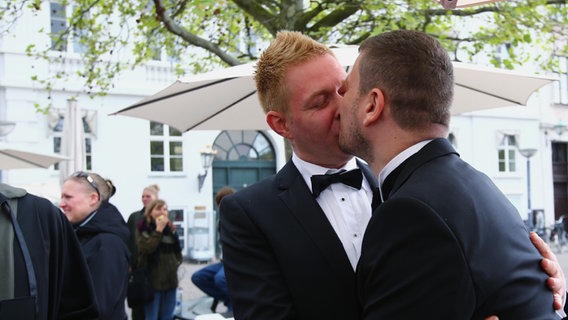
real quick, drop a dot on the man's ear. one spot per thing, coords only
(375, 107)
(277, 122)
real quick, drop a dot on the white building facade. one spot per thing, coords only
(135, 153)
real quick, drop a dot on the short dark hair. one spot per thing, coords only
(415, 73)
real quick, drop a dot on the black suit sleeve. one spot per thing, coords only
(412, 267)
(256, 285)
(65, 288)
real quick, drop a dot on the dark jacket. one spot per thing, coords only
(160, 252)
(133, 220)
(447, 240)
(103, 240)
(282, 258)
(65, 289)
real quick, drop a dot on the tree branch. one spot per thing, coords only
(192, 38)
(336, 16)
(261, 15)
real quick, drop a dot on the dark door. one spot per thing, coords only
(243, 158)
(560, 178)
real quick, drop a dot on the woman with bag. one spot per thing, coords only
(136, 295)
(160, 253)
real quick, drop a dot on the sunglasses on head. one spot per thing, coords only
(90, 180)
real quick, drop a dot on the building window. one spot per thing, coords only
(58, 27)
(178, 218)
(88, 153)
(241, 145)
(561, 86)
(57, 147)
(166, 148)
(57, 136)
(79, 44)
(507, 151)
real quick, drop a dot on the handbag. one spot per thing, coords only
(139, 291)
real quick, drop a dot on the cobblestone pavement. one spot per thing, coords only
(191, 293)
(563, 259)
(197, 297)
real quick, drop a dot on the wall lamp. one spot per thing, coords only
(453, 4)
(207, 156)
(559, 128)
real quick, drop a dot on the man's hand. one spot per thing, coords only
(557, 281)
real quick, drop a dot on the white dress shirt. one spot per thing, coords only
(347, 209)
(396, 161)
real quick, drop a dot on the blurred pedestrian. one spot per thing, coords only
(103, 234)
(159, 252)
(43, 274)
(211, 279)
(149, 194)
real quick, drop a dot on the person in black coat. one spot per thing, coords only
(149, 194)
(63, 284)
(445, 238)
(103, 234)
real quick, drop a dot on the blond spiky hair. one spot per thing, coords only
(289, 48)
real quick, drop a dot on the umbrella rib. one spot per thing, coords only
(173, 95)
(489, 94)
(220, 111)
(23, 160)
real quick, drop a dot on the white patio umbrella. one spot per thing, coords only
(11, 158)
(226, 99)
(72, 142)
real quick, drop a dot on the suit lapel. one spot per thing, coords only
(369, 175)
(305, 209)
(373, 183)
(434, 149)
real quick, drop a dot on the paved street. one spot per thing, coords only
(563, 259)
(191, 293)
(193, 297)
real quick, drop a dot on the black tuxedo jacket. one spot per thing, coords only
(447, 244)
(282, 258)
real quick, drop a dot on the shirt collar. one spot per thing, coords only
(400, 158)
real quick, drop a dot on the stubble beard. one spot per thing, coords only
(353, 142)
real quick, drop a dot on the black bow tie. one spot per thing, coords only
(352, 178)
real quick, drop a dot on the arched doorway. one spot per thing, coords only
(243, 158)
